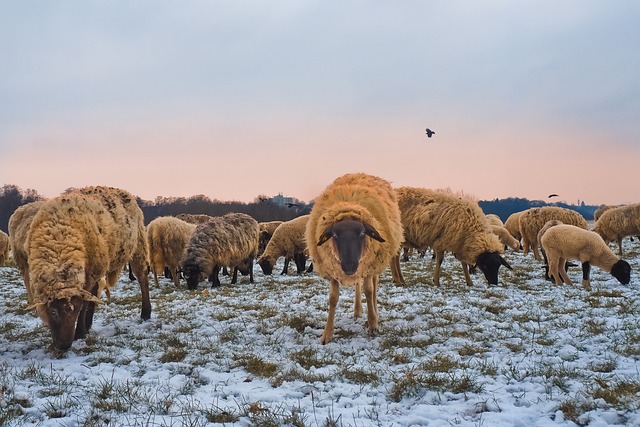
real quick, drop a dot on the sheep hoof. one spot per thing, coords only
(326, 337)
(586, 285)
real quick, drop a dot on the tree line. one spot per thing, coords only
(261, 209)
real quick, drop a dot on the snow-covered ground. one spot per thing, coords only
(524, 353)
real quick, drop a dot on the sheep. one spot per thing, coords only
(4, 247)
(513, 225)
(78, 243)
(543, 230)
(351, 208)
(505, 237)
(194, 218)
(446, 222)
(532, 220)
(229, 240)
(494, 219)
(19, 225)
(168, 237)
(563, 242)
(616, 223)
(602, 209)
(266, 232)
(288, 241)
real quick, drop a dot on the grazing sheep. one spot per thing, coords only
(168, 238)
(266, 232)
(78, 243)
(194, 218)
(616, 223)
(505, 237)
(229, 240)
(532, 220)
(513, 225)
(602, 209)
(494, 219)
(543, 230)
(19, 225)
(4, 247)
(563, 242)
(288, 241)
(351, 208)
(445, 222)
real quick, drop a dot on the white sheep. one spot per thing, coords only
(563, 242)
(229, 240)
(288, 240)
(617, 223)
(359, 214)
(532, 220)
(4, 247)
(19, 225)
(168, 238)
(78, 243)
(448, 223)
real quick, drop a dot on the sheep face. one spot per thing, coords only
(266, 264)
(349, 239)
(621, 270)
(191, 273)
(489, 263)
(62, 315)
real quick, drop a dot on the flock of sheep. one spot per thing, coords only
(72, 248)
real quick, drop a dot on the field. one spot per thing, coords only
(523, 353)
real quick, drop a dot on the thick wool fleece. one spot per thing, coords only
(287, 240)
(532, 220)
(168, 238)
(445, 222)
(364, 198)
(619, 222)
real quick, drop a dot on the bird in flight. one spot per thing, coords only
(553, 195)
(430, 132)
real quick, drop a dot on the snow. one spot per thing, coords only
(525, 346)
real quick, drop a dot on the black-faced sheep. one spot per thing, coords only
(266, 232)
(229, 240)
(532, 220)
(77, 243)
(288, 241)
(448, 223)
(4, 247)
(563, 242)
(19, 225)
(617, 223)
(168, 239)
(359, 214)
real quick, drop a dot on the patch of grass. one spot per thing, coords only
(360, 376)
(619, 393)
(221, 416)
(255, 365)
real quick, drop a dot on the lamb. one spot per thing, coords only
(616, 223)
(4, 247)
(446, 222)
(532, 220)
(19, 225)
(79, 242)
(288, 240)
(351, 208)
(563, 242)
(229, 240)
(505, 237)
(513, 225)
(168, 237)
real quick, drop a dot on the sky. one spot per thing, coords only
(238, 99)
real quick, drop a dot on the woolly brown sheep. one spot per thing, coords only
(19, 225)
(168, 239)
(288, 241)
(513, 225)
(617, 223)
(194, 218)
(229, 240)
(532, 220)
(505, 237)
(266, 232)
(494, 219)
(352, 208)
(4, 247)
(445, 222)
(78, 241)
(563, 242)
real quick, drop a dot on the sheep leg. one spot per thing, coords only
(357, 301)
(310, 268)
(436, 273)
(396, 273)
(467, 276)
(213, 278)
(250, 270)
(563, 271)
(299, 258)
(553, 269)
(586, 269)
(620, 246)
(234, 279)
(176, 277)
(370, 292)
(534, 249)
(334, 294)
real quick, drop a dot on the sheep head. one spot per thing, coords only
(489, 263)
(621, 270)
(349, 238)
(266, 263)
(191, 272)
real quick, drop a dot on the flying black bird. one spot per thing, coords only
(430, 132)
(553, 195)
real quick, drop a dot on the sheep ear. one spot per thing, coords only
(328, 234)
(505, 263)
(371, 232)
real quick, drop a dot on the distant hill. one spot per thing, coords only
(505, 207)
